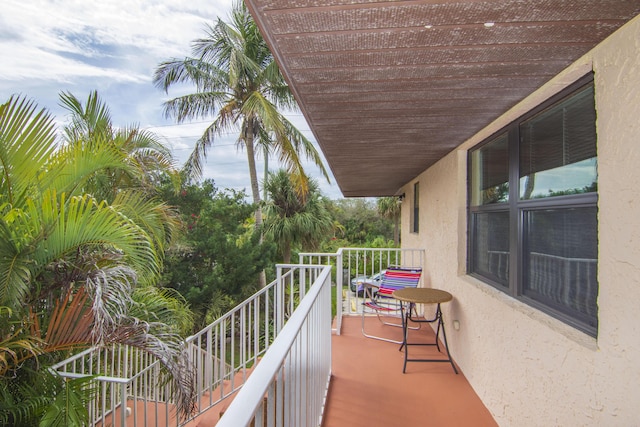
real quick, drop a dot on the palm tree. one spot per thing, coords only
(70, 262)
(146, 159)
(293, 220)
(131, 172)
(390, 207)
(239, 83)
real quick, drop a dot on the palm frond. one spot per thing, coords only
(20, 403)
(110, 289)
(159, 221)
(27, 139)
(80, 223)
(70, 325)
(16, 348)
(162, 305)
(217, 46)
(158, 340)
(290, 144)
(291, 218)
(74, 167)
(144, 148)
(199, 105)
(69, 407)
(205, 76)
(276, 89)
(16, 245)
(304, 146)
(223, 122)
(93, 120)
(176, 71)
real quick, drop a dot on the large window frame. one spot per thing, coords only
(501, 218)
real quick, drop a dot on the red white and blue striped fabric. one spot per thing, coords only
(393, 279)
(397, 278)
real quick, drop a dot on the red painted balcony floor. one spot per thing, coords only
(369, 389)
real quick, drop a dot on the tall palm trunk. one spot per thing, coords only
(238, 82)
(253, 174)
(286, 252)
(255, 191)
(396, 230)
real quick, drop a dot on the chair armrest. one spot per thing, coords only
(368, 285)
(369, 290)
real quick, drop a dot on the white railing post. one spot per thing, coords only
(123, 404)
(288, 376)
(339, 287)
(279, 307)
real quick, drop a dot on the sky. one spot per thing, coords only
(114, 46)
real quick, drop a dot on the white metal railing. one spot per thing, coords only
(226, 352)
(289, 386)
(571, 282)
(124, 375)
(351, 265)
(221, 355)
(228, 349)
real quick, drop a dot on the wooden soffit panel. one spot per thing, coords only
(389, 88)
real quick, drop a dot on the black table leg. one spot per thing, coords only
(406, 317)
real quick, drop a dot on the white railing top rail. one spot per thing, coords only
(238, 308)
(565, 259)
(250, 397)
(124, 379)
(353, 264)
(261, 314)
(73, 358)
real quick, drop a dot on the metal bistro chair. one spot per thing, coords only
(380, 299)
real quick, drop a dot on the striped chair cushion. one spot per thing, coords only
(398, 278)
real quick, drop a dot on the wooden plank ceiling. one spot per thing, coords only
(389, 88)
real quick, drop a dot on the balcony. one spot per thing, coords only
(278, 359)
(369, 389)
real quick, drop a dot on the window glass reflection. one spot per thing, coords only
(561, 258)
(558, 149)
(491, 251)
(490, 173)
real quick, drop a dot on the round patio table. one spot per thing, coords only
(412, 296)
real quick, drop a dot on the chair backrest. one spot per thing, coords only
(395, 278)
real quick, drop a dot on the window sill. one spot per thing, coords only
(557, 326)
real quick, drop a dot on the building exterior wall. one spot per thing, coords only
(529, 368)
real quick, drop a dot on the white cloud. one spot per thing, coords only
(63, 40)
(49, 46)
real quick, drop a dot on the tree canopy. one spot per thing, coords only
(239, 86)
(217, 260)
(82, 240)
(293, 220)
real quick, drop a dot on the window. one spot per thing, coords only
(415, 209)
(533, 218)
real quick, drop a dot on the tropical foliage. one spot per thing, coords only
(390, 208)
(361, 225)
(239, 84)
(216, 262)
(293, 221)
(81, 244)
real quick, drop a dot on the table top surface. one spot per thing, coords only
(422, 295)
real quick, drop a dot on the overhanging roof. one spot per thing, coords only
(389, 88)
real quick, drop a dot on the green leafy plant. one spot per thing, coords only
(69, 407)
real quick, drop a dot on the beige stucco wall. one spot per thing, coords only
(528, 368)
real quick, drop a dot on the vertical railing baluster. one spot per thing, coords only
(251, 329)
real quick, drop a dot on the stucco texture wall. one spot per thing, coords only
(529, 368)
